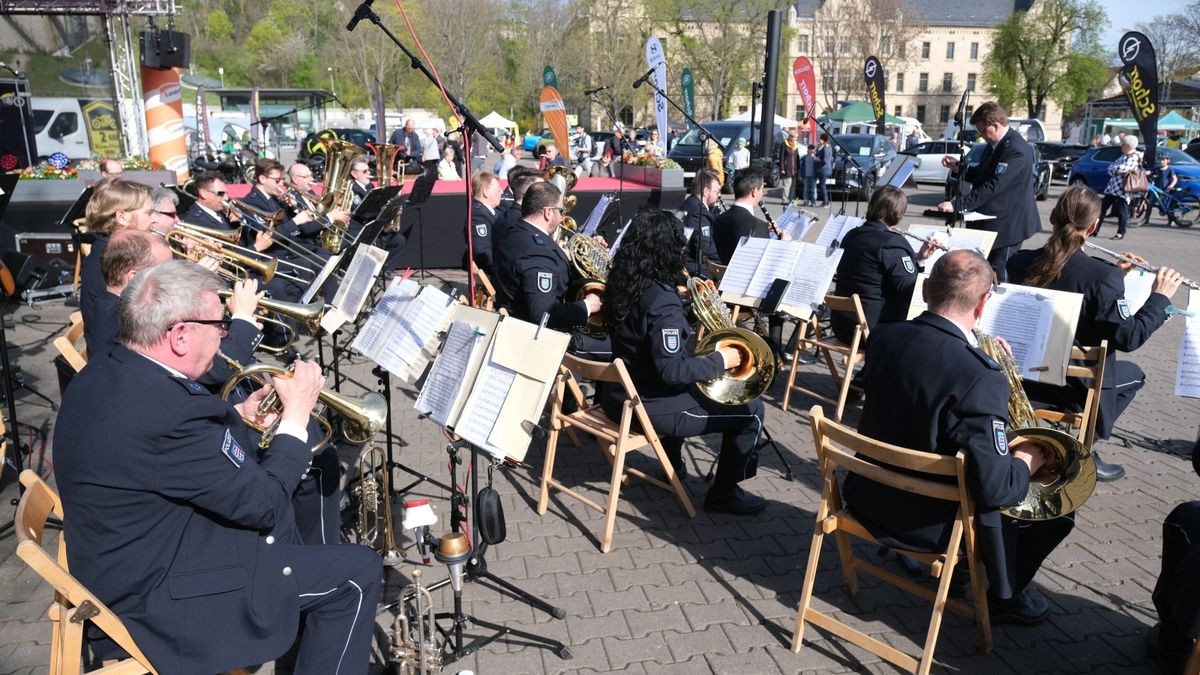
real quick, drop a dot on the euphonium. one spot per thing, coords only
(1067, 480)
(414, 647)
(375, 504)
(190, 245)
(339, 193)
(750, 379)
(385, 161)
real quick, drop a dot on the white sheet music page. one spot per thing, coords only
(483, 407)
(321, 278)
(418, 325)
(1023, 319)
(384, 319)
(1138, 285)
(740, 270)
(811, 276)
(360, 277)
(776, 262)
(445, 380)
(597, 214)
(833, 227)
(1187, 373)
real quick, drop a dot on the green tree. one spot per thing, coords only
(218, 27)
(1050, 52)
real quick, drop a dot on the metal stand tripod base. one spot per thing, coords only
(509, 635)
(787, 468)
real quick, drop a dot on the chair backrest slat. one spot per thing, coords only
(884, 453)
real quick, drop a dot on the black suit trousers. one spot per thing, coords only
(1177, 593)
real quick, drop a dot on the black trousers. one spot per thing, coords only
(1013, 552)
(1120, 206)
(739, 426)
(998, 259)
(1177, 593)
(1127, 379)
(316, 500)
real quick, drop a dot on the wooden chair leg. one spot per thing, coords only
(548, 470)
(614, 496)
(939, 602)
(806, 591)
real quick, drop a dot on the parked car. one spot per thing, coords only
(1041, 174)
(1092, 168)
(687, 151)
(872, 155)
(1062, 157)
(312, 150)
(930, 154)
(536, 143)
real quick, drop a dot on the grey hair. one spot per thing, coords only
(160, 297)
(161, 195)
(958, 280)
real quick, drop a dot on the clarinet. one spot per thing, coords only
(770, 221)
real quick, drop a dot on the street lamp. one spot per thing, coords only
(221, 72)
(329, 70)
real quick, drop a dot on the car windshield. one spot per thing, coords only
(857, 145)
(725, 132)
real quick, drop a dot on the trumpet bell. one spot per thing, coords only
(1062, 489)
(228, 236)
(751, 379)
(362, 417)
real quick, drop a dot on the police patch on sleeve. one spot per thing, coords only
(545, 281)
(670, 340)
(909, 266)
(1123, 308)
(1001, 167)
(231, 449)
(481, 229)
(1000, 437)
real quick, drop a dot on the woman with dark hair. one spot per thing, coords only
(1062, 265)
(650, 333)
(878, 264)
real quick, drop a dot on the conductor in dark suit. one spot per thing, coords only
(930, 388)
(1002, 186)
(172, 522)
(741, 219)
(706, 190)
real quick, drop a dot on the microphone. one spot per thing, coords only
(589, 92)
(962, 106)
(335, 97)
(359, 14)
(11, 70)
(645, 77)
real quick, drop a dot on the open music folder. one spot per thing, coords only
(356, 286)
(757, 263)
(1187, 370)
(401, 333)
(1038, 323)
(954, 238)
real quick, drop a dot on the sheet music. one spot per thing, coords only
(417, 326)
(374, 333)
(1187, 372)
(446, 378)
(360, 277)
(836, 229)
(811, 275)
(1023, 319)
(612, 250)
(483, 408)
(321, 278)
(793, 223)
(741, 268)
(776, 262)
(1138, 285)
(597, 215)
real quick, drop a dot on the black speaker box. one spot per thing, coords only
(30, 273)
(166, 49)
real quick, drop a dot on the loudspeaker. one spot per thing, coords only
(166, 49)
(30, 273)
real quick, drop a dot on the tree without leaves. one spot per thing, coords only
(1050, 52)
(1176, 44)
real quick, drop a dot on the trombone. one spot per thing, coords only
(261, 221)
(232, 262)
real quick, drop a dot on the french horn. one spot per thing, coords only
(753, 377)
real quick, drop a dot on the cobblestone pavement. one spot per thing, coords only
(718, 593)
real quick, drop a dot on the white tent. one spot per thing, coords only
(495, 120)
(781, 122)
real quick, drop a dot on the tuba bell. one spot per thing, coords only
(1068, 480)
(339, 193)
(385, 162)
(750, 379)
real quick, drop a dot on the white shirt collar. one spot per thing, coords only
(169, 369)
(209, 211)
(745, 206)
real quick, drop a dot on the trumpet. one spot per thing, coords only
(1123, 257)
(375, 504)
(362, 417)
(307, 318)
(414, 647)
(232, 266)
(753, 377)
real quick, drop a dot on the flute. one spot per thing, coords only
(931, 241)
(1124, 257)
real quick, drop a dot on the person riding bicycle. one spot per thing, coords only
(1165, 177)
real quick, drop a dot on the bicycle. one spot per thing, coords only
(1178, 208)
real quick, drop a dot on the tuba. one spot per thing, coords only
(375, 504)
(753, 377)
(564, 179)
(385, 161)
(339, 193)
(1066, 482)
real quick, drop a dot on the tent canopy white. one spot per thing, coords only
(780, 121)
(495, 120)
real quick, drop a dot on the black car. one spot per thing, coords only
(687, 152)
(871, 153)
(1041, 173)
(1061, 157)
(312, 150)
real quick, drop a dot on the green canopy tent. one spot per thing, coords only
(859, 113)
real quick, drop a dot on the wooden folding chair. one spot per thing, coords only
(615, 438)
(73, 604)
(915, 472)
(485, 292)
(715, 270)
(1086, 362)
(66, 343)
(847, 355)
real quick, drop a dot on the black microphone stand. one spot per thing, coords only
(959, 219)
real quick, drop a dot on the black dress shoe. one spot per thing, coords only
(1026, 609)
(1171, 655)
(1106, 472)
(737, 501)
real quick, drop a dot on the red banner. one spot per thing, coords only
(555, 114)
(806, 84)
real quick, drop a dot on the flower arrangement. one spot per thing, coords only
(127, 163)
(48, 171)
(648, 160)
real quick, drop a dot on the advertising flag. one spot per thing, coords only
(555, 114)
(689, 93)
(161, 97)
(380, 114)
(656, 60)
(806, 84)
(1139, 76)
(873, 74)
(549, 77)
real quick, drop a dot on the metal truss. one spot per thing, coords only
(103, 7)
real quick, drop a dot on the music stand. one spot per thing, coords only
(373, 204)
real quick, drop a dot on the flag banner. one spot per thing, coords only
(163, 102)
(689, 93)
(555, 114)
(255, 129)
(1139, 77)
(656, 60)
(873, 74)
(549, 77)
(806, 84)
(380, 114)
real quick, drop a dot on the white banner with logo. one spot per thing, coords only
(656, 60)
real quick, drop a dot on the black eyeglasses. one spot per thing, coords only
(169, 214)
(222, 325)
(560, 209)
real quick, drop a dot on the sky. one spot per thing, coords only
(1122, 14)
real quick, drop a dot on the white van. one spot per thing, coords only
(60, 127)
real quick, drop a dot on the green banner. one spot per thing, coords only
(549, 79)
(689, 93)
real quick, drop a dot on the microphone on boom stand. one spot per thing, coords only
(642, 80)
